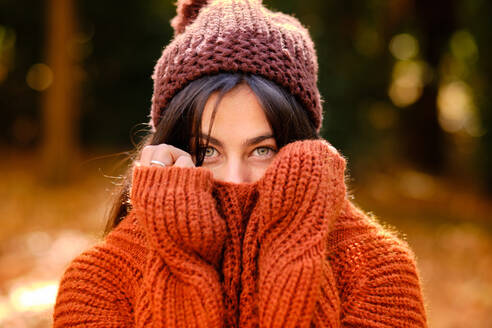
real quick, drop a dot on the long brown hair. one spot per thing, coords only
(180, 122)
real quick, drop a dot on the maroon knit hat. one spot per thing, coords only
(213, 36)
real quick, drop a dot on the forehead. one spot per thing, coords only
(239, 115)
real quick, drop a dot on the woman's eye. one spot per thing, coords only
(264, 151)
(209, 151)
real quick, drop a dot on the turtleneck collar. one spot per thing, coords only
(231, 196)
(235, 203)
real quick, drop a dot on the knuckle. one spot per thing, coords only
(161, 147)
(148, 149)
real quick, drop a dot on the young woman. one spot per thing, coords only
(235, 212)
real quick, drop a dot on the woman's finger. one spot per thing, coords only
(176, 152)
(146, 155)
(184, 161)
(166, 154)
(163, 154)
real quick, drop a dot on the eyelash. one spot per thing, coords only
(267, 147)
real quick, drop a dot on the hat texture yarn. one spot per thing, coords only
(214, 36)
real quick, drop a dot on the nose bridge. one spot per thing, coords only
(237, 171)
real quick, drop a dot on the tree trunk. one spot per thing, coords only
(421, 133)
(59, 149)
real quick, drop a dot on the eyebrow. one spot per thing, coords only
(246, 143)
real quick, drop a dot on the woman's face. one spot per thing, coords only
(242, 144)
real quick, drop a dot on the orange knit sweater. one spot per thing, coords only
(289, 250)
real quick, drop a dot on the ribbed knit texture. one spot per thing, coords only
(237, 36)
(289, 250)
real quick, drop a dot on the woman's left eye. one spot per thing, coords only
(264, 151)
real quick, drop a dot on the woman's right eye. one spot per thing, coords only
(209, 151)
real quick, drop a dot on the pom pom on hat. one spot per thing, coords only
(186, 10)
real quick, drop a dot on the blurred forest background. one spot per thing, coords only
(406, 84)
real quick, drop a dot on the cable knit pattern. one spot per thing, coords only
(376, 273)
(186, 236)
(299, 198)
(289, 250)
(235, 203)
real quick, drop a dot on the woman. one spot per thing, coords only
(235, 212)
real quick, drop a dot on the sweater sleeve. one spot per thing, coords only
(386, 288)
(92, 293)
(300, 196)
(185, 237)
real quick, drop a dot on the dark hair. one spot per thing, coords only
(180, 122)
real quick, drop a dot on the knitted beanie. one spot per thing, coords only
(214, 36)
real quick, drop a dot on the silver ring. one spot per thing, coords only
(157, 162)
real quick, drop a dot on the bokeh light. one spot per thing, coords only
(404, 46)
(39, 77)
(37, 296)
(408, 81)
(457, 110)
(463, 45)
(45, 257)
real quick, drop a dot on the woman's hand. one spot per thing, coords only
(175, 203)
(300, 197)
(167, 154)
(185, 236)
(302, 190)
